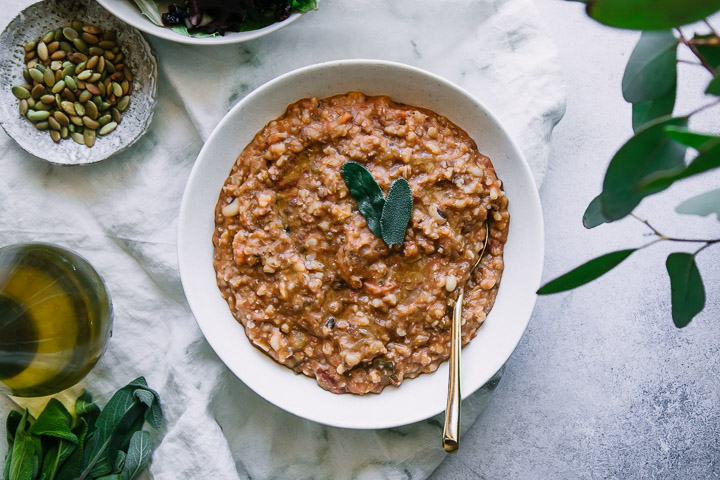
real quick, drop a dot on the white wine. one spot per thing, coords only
(55, 319)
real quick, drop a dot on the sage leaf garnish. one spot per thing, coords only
(397, 212)
(586, 272)
(94, 444)
(367, 193)
(149, 8)
(688, 292)
(138, 455)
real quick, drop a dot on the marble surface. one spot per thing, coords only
(602, 384)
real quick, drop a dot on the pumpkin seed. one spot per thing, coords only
(77, 121)
(93, 89)
(53, 47)
(80, 67)
(95, 77)
(109, 55)
(91, 29)
(70, 33)
(64, 132)
(42, 106)
(117, 89)
(89, 38)
(69, 95)
(37, 116)
(40, 67)
(58, 35)
(56, 65)
(65, 47)
(92, 62)
(72, 128)
(68, 107)
(101, 65)
(91, 110)
(105, 119)
(104, 106)
(36, 75)
(115, 113)
(30, 55)
(70, 83)
(80, 45)
(90, 123)
(69, 70)
(89, 136)
(59, 86)
(55, 135)
(123, 104)
(31, 102)
(42, 51)
(107, 128)
(84, 75)
(54, 124)
(38, 91)
(23, 107)
(26, 75)
(47, 99)
(49, 77)
(85, 96)
(79, 109)
(107, 44)
(42, 125)
(77, 57)
(78, 137)
(48, 37)
(77, 25)
(96, 51)
(61, 118)
(59, 55)
(30, 46)
(109, 67)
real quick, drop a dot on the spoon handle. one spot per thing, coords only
(451, 432)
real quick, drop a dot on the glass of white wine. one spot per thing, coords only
(55, 319)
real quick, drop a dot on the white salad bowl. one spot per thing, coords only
(128, 12)
(416, 399)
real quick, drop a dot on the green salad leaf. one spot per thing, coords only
(149, 8)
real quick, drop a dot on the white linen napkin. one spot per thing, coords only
(121, 215)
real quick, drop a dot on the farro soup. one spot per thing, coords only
(312, 285)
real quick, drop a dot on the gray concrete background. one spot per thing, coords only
(602, 384)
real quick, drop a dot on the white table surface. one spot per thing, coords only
(603, 385)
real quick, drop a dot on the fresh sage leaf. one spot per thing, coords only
(22, 453)
(397, 212)
(650, 150)
(138, 455)
(586, 272)
(153, 414)
(54, 421)
(119, 462)
(651, 71)
(704, 162)
(11, 425)
(594, 215)
(367, 193)
(709, 49)
(183, 30)
(55, 457)
(698, 141)
(86, 408)
(688, 292)
(647, 111)
(71, 468)
(714, 87)
(149, 8)
(112, 476)
(650, 14)
(704, 204)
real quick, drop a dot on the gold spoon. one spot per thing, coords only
(451, 432)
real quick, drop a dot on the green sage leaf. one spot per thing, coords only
(22, 453)
(586, 272)
(112, 476)
(647, 111)
(55, 457)
(119, 462)
(650, 14)
(183, 30)
(149, 8)
(698, 141)
(650, 150)
(11, 425)
(54, 421)
(138, 455)
(71, 468)
(87, 409)
(688, 292)
(704, 204)
(594, 215)
(704, 162)
(367, 193)
(651, 71)
(397, 212)
(714, 87)
(303, 6)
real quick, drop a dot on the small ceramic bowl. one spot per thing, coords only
(35, 21)
(127, 11)
(426, 395)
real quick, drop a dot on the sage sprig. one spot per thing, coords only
(387, 218)
(108, 443)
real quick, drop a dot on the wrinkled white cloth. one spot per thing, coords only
(121, 214)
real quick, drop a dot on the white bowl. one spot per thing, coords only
(415, 399)
(128, 12)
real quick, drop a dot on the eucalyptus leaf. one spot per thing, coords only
(649, 110)
(594, 215)
(149, 8)
(704, 162)
(54, 421)
(714, 87)
(704, 204)
(586, 272)
(397, 212)
(367, 193)
(698, 141)
(650, 14)
(651, 71)
(688, 292)
(650, 150)
(138, 455)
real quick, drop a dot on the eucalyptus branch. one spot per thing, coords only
(695, 51)
(689, 62)
(704, 107)
(661, 237)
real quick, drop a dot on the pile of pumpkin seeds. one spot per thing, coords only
(77, 83)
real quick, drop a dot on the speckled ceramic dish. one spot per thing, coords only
(35, 21)
(425, 395)
(127, 11)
